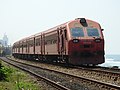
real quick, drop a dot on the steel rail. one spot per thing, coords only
(99, 70)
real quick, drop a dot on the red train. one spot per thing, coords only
(77, 42)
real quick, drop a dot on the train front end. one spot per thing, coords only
(86, 44)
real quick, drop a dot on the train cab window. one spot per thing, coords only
(77, 32)
(92, 32)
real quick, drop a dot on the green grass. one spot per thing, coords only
(17, 80)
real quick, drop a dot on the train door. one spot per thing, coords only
(62, 43)
(43, 46)
(22, 46)
(18, 48)
(28, 47)
(34, 45)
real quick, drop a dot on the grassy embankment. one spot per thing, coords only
(15, 79)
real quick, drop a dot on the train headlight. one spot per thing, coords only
(83, 22)
(97, 40)
(75, 40)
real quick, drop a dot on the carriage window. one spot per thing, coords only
(92, 32)
(31, 43)
(51, 39)
(37, 42)
(77, 32)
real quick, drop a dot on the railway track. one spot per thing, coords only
(99, 68)
(52, 83)
(103, 74)
(67, 81)
(107, 74)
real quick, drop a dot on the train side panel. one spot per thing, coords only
(31, 45)
(51, 43)
(38, 44)
(77, 42)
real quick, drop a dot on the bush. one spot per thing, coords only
(0, 65)
(4, 72)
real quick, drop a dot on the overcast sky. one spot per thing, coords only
(21, 18)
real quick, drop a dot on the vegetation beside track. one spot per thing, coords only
(14, 79)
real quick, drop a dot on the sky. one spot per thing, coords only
(22, 18)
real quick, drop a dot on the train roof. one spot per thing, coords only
(52, 29)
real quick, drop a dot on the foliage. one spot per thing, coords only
(14, 79)
(5, 72)
(0, 65)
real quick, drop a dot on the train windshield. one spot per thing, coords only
(77, 32)
(92, 32)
